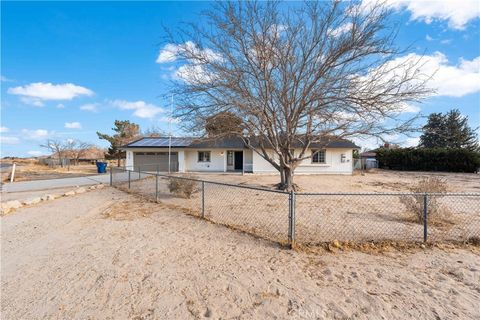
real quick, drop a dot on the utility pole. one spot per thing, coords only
(170, 135)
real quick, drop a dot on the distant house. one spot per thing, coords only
(230, 155)
(368, 159)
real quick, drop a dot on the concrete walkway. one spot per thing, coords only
(55, 183)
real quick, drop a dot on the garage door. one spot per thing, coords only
(153, 161)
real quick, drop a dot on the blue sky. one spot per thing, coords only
(70, 69)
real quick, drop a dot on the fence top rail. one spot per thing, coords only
(471, 194)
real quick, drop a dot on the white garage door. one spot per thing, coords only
(155, 161)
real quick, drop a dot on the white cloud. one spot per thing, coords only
(9, 140)
(32, 101)
(193, 70)
(73, 125)
(92, 107)
(195, 74)
(4, 129)
(170, 52)
(38, 92)
(346, 27)
(60, 106)
(35, 153)
(408, 108)
(448, 80)
(428, 38)
(170, 120)
(456, 12)
(141, 108)
(37, 134)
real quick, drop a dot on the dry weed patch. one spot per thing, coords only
(128, 210)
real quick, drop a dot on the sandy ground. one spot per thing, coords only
(31, 170)
(323, 218)
(373, 181)
(106, 255)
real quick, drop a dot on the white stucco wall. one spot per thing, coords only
(181, 161)
(129, 160)
(333, 164)
(218, 160)
(188, 161)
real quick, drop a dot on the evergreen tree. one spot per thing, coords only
(433, 132)
(449, 130)
(459, 134)
(126, 132)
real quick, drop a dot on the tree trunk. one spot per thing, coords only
(282, 177)
(286, 179)
(118, 160)
(288, 184)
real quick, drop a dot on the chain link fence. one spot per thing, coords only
(313, 218)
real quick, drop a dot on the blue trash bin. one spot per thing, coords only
(101, 167)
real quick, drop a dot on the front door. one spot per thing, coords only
(238, 160)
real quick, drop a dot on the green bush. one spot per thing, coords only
(429, 159)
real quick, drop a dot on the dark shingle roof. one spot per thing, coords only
(226, 142)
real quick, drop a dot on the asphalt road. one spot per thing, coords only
(55, 183)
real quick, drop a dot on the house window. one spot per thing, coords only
(204, 156)
(230, 158)
(318, 156)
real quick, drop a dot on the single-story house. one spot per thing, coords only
(185, 154)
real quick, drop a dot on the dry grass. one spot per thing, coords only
(129, 210)
(28, 171)
(182, 187)
(415, 204)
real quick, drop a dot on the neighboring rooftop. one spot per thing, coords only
(226, 142)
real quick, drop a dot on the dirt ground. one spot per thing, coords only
(27, 170)
(323, 218)
(108, 255)
(372, 181)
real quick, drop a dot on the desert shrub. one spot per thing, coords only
(429, 159)
(183, 187)
(415, 203)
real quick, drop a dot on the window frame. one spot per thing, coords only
(199, 158)
(317, 151)
(230, 158)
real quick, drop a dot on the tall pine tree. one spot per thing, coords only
(449, 130)
(433, 132)
(125, 132)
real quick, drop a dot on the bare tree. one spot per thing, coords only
(76, 149)
(154, 131)
(297, 75)
(57, 148)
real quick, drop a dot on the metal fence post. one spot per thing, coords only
(425, 217)
(111, 176)
(139, 173)
(156, 188)
(291, 219)
(203, 199)
(128, 179)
